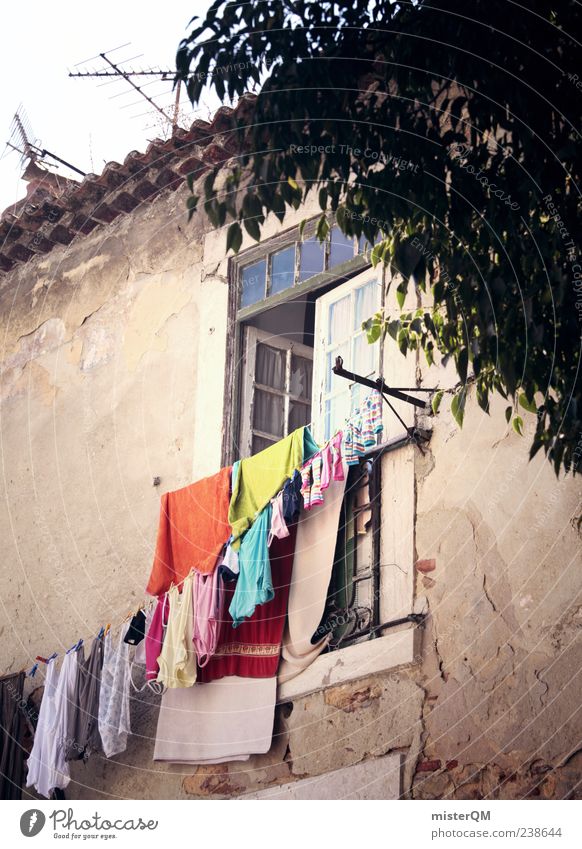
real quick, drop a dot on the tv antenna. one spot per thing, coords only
(114, 70)
(23, 141)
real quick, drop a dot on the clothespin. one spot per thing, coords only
(32, 672)
(107, 627)
(76, 647)
(101, 632)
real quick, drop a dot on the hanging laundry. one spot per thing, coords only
(136, 631)
(278, 529)
(337, 460)
(11, 733)
(261, 477)
(316, 496)
(82, 729)
(154, 638)
(193, 528)
(114, 719)
(208, 602)
(225, 720)
(317, 533)
(140, 649)
(177, 660)
(372, 420)
(306, 482)
(228, 562)
(47, 767)
(331, 461)
(253, 649)
(292, 498)
(254, 585)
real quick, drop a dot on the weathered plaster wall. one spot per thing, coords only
(503, 650)
(102, 347)
(112, 373)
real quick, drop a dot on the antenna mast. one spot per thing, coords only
(116, 71)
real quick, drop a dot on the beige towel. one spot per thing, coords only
(312, 566)
(225, 720)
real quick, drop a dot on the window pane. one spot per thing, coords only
(253, 283)
(331, 381)
(341, 248)
(364, 355)
(259, 444)
(282, 270)
(337, 410)
(312, 255)
(268, 413)
(299, 415)
(270, 366)
(367, 303)
(338, 325)
(301, 373)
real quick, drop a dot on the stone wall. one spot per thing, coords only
(112, 374)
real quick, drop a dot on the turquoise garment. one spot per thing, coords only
(254, 585)
(310, 446)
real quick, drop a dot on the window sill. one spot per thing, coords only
(358, 661)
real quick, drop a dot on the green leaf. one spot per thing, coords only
(530, 406)
(302, 227)
(462, 364)
(253, 229)
(377, 254)
(322, 228)
(436, 401)
(292, 183)
(517, 424)
(190, 180)
(508, 412)
(234, 237)
(393, 328)
(458, 407)
(400, 295)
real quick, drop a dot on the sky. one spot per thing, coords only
(82, 120)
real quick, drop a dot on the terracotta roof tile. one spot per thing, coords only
(67, 210)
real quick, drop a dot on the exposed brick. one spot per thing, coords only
(451, 764)
(428, 766)
(425, 566)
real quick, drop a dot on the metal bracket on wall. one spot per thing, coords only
(401, 393)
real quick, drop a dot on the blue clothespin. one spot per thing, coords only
(101, 631)
(76, 647)
(32, 672)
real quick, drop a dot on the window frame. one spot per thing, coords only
(291, 237)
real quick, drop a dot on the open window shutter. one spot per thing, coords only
(338, 332)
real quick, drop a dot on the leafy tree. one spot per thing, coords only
(450, 128)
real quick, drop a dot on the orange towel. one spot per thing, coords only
(193, 528)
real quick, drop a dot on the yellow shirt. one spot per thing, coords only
(261, 477)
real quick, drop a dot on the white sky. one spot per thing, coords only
(75, 118)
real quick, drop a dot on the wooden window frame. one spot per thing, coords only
(253, 336)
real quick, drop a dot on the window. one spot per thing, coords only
(338, 332)
(295, 306)
(278, 271)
